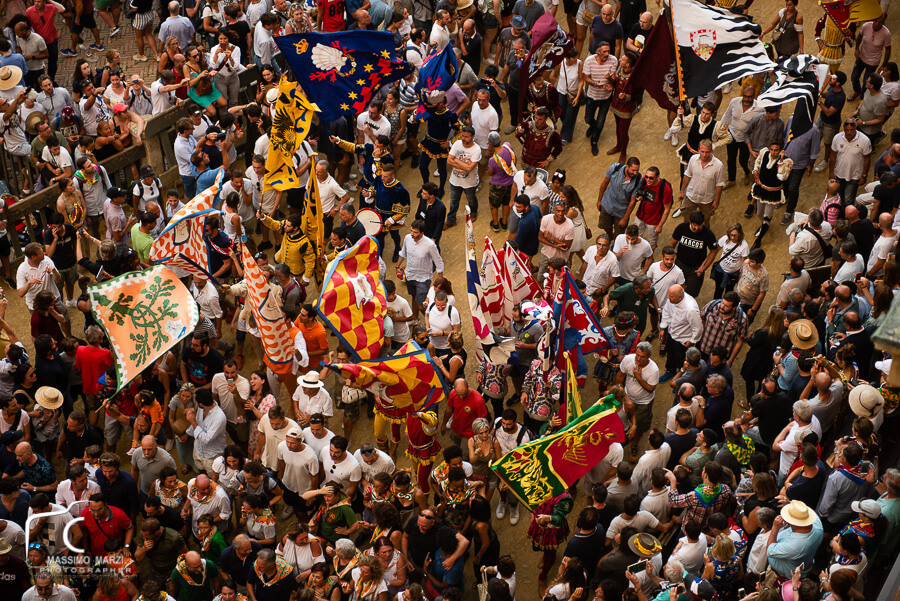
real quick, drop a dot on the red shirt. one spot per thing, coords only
(464, 411)
(92, 363)
(651, 207)
(114, 526)
(332, 14)
(42, 24)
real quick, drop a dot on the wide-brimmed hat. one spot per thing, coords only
(48, 397)
(867, 507)
(463, 4)
(797, 513)
(32, 120)
(518, 22)
(803, 334)
(311, 380)
(10, 76)
(5, 547)
(644, 545)
(865, 400)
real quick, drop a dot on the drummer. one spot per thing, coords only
(392, 204)
(374, 153)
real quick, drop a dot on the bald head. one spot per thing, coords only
(851, 213)
(193, 560)
(461, 387)
(885, 221)
(823, 381)
(675, 293)
(174, 7)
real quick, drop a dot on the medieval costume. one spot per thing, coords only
(539, 144)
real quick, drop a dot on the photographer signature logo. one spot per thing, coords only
(64, 536)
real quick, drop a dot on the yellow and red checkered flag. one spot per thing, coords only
(278, 352)
(182, 243)
(352, 301)
(408, 380)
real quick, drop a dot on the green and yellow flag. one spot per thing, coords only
(291, 122)
(573, 397)
(544, 468)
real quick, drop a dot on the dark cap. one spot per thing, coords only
(147, 171)
(116, 192)
(11, 436)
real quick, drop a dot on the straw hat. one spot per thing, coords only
(311, 380)
(48, 397)
(866, 401)
(463, 4)
(32, 120)
(5, 547)
(803, 334)
(10, 76)
(644, 545)
(796, 513)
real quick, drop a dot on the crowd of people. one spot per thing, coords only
(203, 479)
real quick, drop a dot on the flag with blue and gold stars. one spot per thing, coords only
(341, 71)
(437, 73)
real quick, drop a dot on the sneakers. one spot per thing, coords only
(749, 211)
(501, 509)
(677, 213)
(67, 52)
(97, 47)
(820, 166)
(787, 219)
(514, 516)
(138, 58)
(351, 187)
(667, 136)
(437, 173)
(353, 176)
(286, 512)
(727, 88)
(70, 303)
(495, 227)
(82, 47)
(666, 376)
(131, 451)
(509, 130)
(674, 139)
(115, 31)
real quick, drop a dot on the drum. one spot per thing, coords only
(371, 220)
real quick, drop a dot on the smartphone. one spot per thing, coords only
(638, 567)
(741, 593)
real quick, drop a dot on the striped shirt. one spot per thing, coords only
(408, 98)
(598, 72)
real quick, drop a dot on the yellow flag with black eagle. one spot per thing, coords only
(291, 122)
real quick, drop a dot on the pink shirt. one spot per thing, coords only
(873, 43)
(596, 71)
(560, 231)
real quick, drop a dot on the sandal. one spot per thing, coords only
(186, 469)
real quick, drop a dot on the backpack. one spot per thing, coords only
(522, 432)
(143, 187)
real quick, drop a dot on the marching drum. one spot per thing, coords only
(371, 220)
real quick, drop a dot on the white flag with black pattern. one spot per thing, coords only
(797, 77)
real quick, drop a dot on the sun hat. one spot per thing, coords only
(10, 76)
(48, 397)
(803, 334)
(311, 380)
(32, 120)
(644, 545)
(867, 507)
(797, 513)
(518, 22)
(463, 4)
(865, 401)
(5, 547)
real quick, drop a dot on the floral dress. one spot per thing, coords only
(726, 575)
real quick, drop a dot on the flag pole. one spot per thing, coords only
(670, 21)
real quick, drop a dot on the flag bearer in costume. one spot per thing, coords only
(297, 251)
(831, 37)
(541, 143)
(548, 530)
(392, 204)
(436, 145)
(388, 419)
(423, 446)
(699, 127)
(374, 154)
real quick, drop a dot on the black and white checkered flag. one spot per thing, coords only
(799, 77)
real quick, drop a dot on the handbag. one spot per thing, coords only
(588, 15)
(203, 87)
(483, 588)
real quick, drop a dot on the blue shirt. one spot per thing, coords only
(790, 549)
(803, 150)
(123, 493)
(238, 570)
(619, 192)
(205, 179)
(14, 59)
(529, 227)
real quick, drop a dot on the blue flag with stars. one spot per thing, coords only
(341, 71)
(437, 74)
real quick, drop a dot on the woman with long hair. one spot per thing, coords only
(367, 583)
(114, 587)
(257, 404)
(258, 519)
(113, 67)
(733, 250)
(301, 549)
(213, 19)
(178, 420)
(765, 494)
(201, 89)
(485, 542)
(406, 497)
(171, 491)
(300, 21)
(225, 59)
(570, 578)
(116, 91)
(397, 116)
(70, 202)
(24, 385)
(268, 79)
(481, 454)
(576, 213)
(762, 344)
(624, 103)
(82, 72)
(880, 301)
(441, 284)
(167, 56)
(454, 364)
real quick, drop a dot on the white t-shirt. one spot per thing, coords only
(346, 472)
(597, 275)
(881, 250)
(220, 390)
(44, 272)
(849, 269)
(633, 390)
(161, 101)
(317, 444)
(380, 126)
(227, 476)
(399, 307)
(442, 321)
(661, 281)
(484, 121)
(330, 192)
(691, 554)
(60, 161)
(24, 420)
(789, 448)
(91, 117)
(299, 467)
(642, 521)
(382, 463)
(458, 177)
(537, 192)
(732, 263)
(273, 437)
(631, 262)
